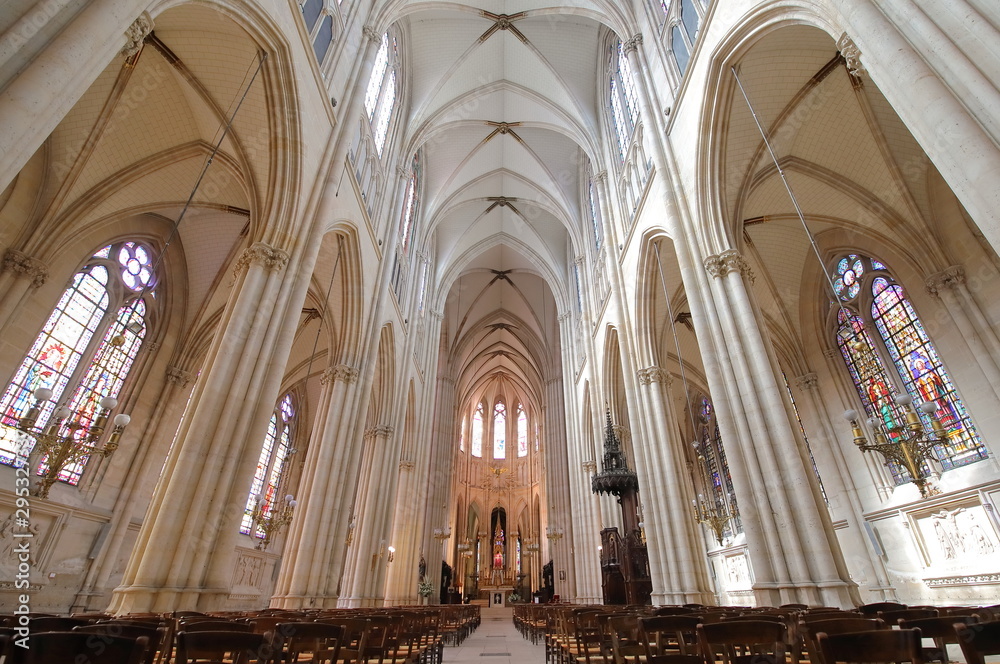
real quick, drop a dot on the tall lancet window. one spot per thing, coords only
(622, 99)
(270, 486)
(522, 431)
(461, 434)
(594, 207)
(715, 486)
(500, 431)
(380, 97)
(86, 348)
(477, 431)
(888, 351)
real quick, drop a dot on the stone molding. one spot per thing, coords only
(341, 372)
(601, 176)
(966, 580)
(406, 465)
(947, 279)
(807, 381)
(563, 316)
(263, 254)
(179, 377)
(437, 315)
(729, 261)
(589, 467)
(380, 431)
(136, 34)
(631, 44)
(852, 55)
(373, 35)
(654, 375)
(22, 264)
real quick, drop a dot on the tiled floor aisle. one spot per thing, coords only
(495, 642)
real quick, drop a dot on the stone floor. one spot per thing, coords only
(495, 642)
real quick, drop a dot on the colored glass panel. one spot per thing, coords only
(378, 74)
(618, 120)
(522, 432)
(267, 479)
(477, 432)
(499, 431)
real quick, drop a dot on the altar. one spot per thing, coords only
(498, 595)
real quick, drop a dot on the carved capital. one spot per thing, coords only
(654, 375)
(852, 55)
(589, 467)
(380, 431)
(341, 372)
(807, 381)
(579, 260)
(601, 177)
(403, 172)
(947, 279)
(179, 377)
(373, 35)
(632, 43)
(22, 264)
(438, 315)
(136, 34)
(407, 465)
(262, 254)
(728, 261)
(563, 316)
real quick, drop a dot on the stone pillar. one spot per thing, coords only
(39, 86)
(794, 551)
(315, 549)
(20, 275)
(364, 580)
(189, 533)
(829, 454)
(896, 41)
(949, 285)
(676, 556)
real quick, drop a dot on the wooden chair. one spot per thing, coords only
(57, 623)
(871, 610)
(626, 644)
(68, 647)
(215, 626)
(319, 642)
(807, 631)
(978, 640)
(157, 635)
(218, 647)
(874, 647)
(941, 629)
(892, 618)
(743, 642)
(664, 636)
(354, 644)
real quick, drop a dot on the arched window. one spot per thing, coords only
(716, 484)
(679, 48)
(411, 201)
(380, 98)
(888, 351)
(461, 434)
(594, 207)
(86, 348)
(499, 431)
(477, 431)
(522, 431)
(622, 99)
(269, 486)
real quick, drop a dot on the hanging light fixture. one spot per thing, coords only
(910, 445)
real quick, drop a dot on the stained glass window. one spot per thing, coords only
(268, 489)
(595, 216)
(522, 431)
(715, 468)
(378, 74)
(86, 348)
(499, 431)
(477, 432)
(381, 129)
(622, 99)
(689, 17)
(679, 48)
(380, 97)
(916, 367)
(410, 204)
(461, 435)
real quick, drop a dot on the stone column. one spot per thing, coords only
(365, 578)
(676, 556)
(829, 454)
(314, 552)
(175, 564)
(20, 275)
(949, 285)
(895, 44)
(794, 551)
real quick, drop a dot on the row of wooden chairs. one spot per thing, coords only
(636, 635)
(391, 636)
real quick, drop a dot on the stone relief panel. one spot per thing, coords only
(958, 537)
